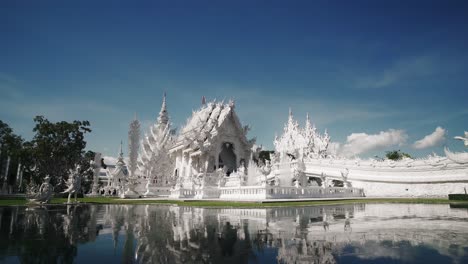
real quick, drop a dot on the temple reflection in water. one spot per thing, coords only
(173, 234)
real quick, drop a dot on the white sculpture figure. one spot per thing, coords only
(297, 184)
(277, 180)
(458, 157)
(44, 194)
(197, 181)
(265, 170)
(147, 187)
(344, 175)
(178, 184)
(241, 169)
(74, 183)
(298, 171)
(464, 139)
(324, 180)
(221, 181)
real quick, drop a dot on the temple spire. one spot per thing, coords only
(290, 117)
(120, 159)
(163, 118)
(121, 151)
(308, 125)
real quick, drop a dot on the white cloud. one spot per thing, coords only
(358, 143)
(431, 140)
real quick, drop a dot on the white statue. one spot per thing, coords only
(464, 139)
(241, 169)
(266, 169)
(297, 184)
(344, 175)
(458, 157)
(74, 183)
(44, 194)
(277, 180)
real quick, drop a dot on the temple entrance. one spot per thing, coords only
(227, 158)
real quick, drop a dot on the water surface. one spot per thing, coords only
(358, 233)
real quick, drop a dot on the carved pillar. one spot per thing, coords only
(217, 152)
(182, 166)
(189, 166)
(207, 157)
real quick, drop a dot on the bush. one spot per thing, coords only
(458, 197)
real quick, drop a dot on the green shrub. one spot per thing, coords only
(458, 197)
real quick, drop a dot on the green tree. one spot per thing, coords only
(56, 148)
(11, 146)
(263, 156)
(396, 155)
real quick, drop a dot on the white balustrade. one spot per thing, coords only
(276, 192)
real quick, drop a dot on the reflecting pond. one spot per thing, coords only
(355, 233)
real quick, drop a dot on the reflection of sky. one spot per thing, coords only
(101, 250)
(267, 255)
(389, 252)
(378, 233)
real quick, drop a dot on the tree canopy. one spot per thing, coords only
(396, 155)
(56, 148)
(11, 145)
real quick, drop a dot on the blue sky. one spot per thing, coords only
(355, 66)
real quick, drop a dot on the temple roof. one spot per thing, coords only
(120, 170)
(203, 125)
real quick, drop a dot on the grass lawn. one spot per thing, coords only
(109, 200)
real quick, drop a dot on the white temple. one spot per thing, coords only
(211, 157)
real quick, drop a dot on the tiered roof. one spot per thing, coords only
(204, 125)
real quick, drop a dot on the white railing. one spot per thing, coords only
(276, 192)
(160, 191)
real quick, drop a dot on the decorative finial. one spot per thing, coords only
(163, 117)
(120, 159)
(203, 100)
(290, 112)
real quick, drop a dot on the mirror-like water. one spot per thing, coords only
(358, 233)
